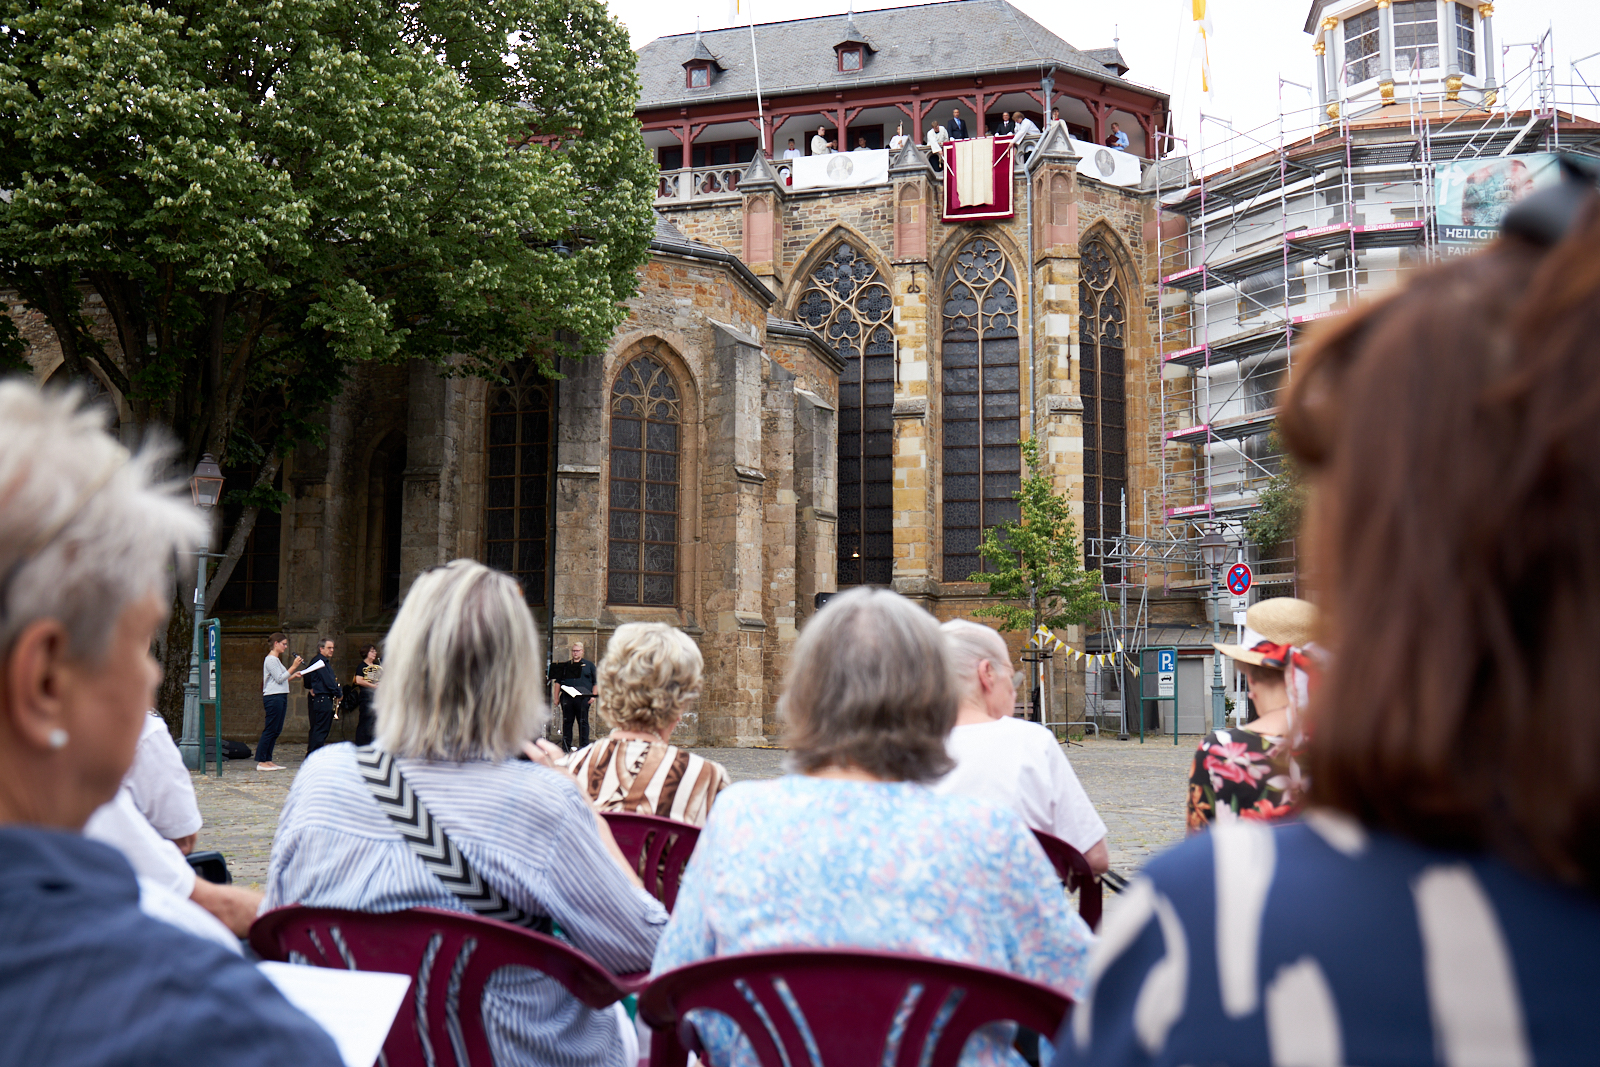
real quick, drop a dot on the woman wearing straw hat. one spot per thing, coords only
(1247, 771)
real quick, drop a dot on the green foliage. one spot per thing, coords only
(262, 193)
(1038, 561)
(11, 346)
(1283, 504)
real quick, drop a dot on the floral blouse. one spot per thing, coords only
(1246, 772)
(815, 863)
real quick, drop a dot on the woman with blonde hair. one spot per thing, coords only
(461, 696)
(648, 679)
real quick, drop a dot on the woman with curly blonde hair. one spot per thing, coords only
(649, 677)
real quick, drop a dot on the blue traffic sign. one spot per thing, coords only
(1239, 578)
(1166, 660)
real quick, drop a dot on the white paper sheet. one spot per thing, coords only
(317, 666)
(356, 1008)
(571, 692)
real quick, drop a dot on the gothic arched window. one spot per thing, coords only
(517, 499)
(848, 303)
(981, 402)
(643, 554)
(1102, 372)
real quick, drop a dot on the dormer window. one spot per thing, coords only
(702, 66)
(850, 59)
(853, 50)
(699, 75)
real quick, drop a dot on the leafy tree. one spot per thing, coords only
(255, 196)
(1037, 561)
(1282, 504)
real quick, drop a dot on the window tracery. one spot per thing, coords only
(1102, 385)
(642, 554)
(981, 402)
(848, 303)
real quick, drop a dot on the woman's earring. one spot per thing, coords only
(58, 738)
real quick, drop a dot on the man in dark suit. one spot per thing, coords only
(577, 675)
(322, 689)
(1005, 126)
(958, 129)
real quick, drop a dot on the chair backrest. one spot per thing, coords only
(440, 1023)
(657, 848)
(1074, 870)
(844, 1007)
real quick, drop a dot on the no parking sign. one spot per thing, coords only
(1239, 578)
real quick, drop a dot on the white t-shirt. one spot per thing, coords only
(152, 857)
(1019, 765)
(159, 783)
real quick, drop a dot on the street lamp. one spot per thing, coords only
(1214, 553)
(206, 485)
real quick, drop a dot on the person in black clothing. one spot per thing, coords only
(1005, 127)
(958, 129)
(359, 695)
(322, 688)
(576, 674)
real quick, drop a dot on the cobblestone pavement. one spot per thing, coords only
(1138, 789)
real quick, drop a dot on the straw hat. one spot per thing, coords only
(1280, 621)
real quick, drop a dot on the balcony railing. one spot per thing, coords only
(699, 183)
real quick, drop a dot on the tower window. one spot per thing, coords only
(1416, 35)
(1466, 40)
(1361, 58)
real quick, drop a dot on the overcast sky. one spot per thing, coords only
(1253, 43)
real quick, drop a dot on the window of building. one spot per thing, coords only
(849, 59)
(1466, 40)
(1102, 384)
(848, 303)
(1361, 59)
(642, 560)
(1416, 35)
(699, 75)
(981, 402)
(253, 585)
(518, 491)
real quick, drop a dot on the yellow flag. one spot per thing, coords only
(1202, 43)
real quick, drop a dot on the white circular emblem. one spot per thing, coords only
(840, 167)
(1104, 163)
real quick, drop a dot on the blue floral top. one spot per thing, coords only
(805, 862)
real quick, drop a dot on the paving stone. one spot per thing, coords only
(1138, 789)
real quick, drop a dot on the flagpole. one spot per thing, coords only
(755, 60)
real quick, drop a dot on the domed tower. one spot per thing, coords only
(1374, 53)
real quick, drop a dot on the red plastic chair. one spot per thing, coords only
(844, 1004)
(1075, 872)
(658, 849)
(429, 944)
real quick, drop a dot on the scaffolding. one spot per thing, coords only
(1319, 212)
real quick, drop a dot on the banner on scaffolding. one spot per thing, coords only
(1473, 195)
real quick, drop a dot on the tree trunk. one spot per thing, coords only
(175, 658)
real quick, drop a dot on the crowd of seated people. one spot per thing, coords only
(1432, 900)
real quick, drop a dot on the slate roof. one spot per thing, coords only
(1110, 57)
(921, 42)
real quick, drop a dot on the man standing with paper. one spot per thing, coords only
(572, 683)
(322, 688)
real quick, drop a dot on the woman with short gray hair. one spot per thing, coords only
(854, 850)
(87, 539)
(460, 699)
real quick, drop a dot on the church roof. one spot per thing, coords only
(921, 42)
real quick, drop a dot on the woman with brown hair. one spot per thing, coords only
(1438, 903)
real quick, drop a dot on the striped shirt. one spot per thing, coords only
(648, 777)
(527, 832)
(1323, 942)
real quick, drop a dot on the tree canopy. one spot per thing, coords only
(1038, 561)
(251, 195)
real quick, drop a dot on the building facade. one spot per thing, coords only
(822, 382)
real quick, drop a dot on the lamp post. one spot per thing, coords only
(206, 485)
(1214, 553)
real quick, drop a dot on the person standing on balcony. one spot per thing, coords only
(792, 152)
(861, 145)
(958, 129)
(819, 143)
(1022, 127)
(898, 141)
(1118, 139)
(1005, 127)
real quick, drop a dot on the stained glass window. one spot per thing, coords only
(848, 303)
(642, 558)
(981, 402)
(518, 491)
(1102, 384)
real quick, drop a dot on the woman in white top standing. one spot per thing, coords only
(1012, 762)
(275, 678)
